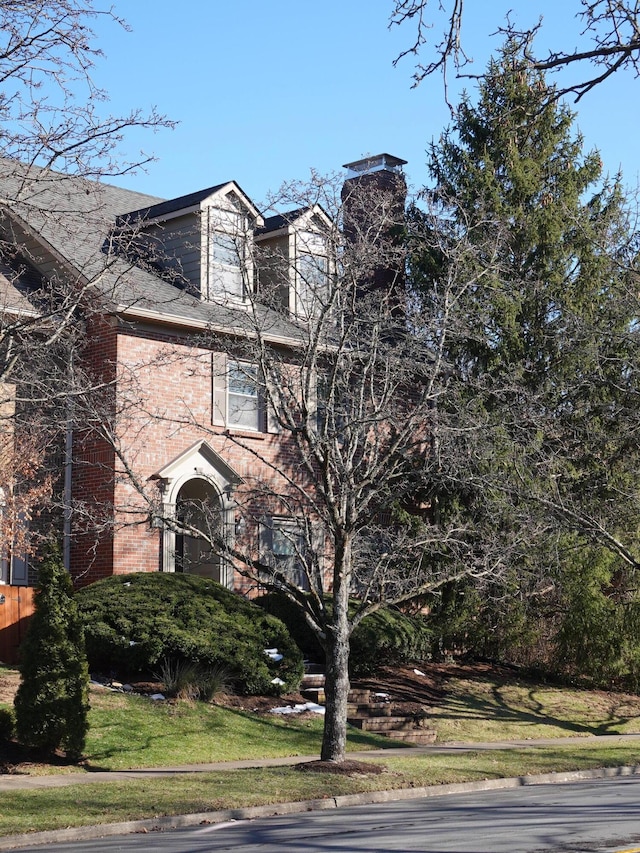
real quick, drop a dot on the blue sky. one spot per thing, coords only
(265, 92)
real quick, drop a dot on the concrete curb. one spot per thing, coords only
(85, 833)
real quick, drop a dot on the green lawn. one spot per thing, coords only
(134, 732)
(81, 805)
(490, 710)
(131, 731)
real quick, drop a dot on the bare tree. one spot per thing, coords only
(336, 505)
(51, 112)
(55, 131)
(608, 40)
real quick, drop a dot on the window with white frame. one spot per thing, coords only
(239, 398)
(284, 549)
(312, 274)
(229, 266)
(311, 291)
(244, 400)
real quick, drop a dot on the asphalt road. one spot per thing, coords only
(579, 817)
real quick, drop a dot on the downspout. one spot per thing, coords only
(68, 472)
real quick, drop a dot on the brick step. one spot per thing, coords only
(314, 694)
(371, 709)
(382, 724)
(354, 709)
(311, 680)
(359, 697)
(312, 687)
(369, 712)
(413, 735)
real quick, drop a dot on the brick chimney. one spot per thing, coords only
(373, 204)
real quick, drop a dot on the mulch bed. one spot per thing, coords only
(348, 767)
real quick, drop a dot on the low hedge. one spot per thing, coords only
(134, 623)
(385, 638)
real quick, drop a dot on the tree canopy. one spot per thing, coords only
(544, 372)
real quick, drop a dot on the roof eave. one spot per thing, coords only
(137, 313)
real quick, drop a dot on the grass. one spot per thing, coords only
(487, 710)
(81, 805)
(132, 732)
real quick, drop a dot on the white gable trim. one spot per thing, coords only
(199, 460)
(232, 194)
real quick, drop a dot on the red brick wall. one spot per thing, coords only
(93, 465)
(165, 397)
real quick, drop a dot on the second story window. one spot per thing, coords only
(238, 396)
(244, 407)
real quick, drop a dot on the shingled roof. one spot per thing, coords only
(73, 219)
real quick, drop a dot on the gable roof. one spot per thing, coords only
(281, 220)
(18, 279)
(64, 225)
(187, 202)
(299, 217)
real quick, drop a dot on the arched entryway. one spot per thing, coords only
(197, 506)
(199, 523)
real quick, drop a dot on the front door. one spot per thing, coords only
(199, 516)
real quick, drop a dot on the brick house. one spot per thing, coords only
(176, 422)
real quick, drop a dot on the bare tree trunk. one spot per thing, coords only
(334, 740)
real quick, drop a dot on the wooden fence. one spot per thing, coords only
(15, 612)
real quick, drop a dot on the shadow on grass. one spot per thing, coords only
(173, 735)
(460, 704)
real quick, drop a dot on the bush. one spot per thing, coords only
(387, 637)
(134, 623)
(51, 703)
(282, 608)
(188, 680)
(6, 725)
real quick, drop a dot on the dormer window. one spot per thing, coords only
(201, 242)
(229, 257)
(311, 274)
(311, 284)
(295, 265)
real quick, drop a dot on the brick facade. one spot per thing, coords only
(151, 439)
(164, 403)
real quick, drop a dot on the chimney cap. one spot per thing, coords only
(375, 163)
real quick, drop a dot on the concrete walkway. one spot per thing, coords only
(16, 781)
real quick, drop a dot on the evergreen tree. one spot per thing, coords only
(543, 390)
(51, 703)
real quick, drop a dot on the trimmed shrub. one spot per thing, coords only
(51, 703)
(282, 608)
(136, 623)
(6, 725)
(387, 637)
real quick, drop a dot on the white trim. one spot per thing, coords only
(229, 331)
(198, 462)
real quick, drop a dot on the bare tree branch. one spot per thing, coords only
(609, 30)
